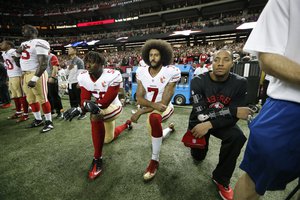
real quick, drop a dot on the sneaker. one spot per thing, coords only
(23, 118)
(48, 126)
(95, 169)
(225, 192)
(151, 170)
(36, 123)
(129, 125)
(15, 116)
(172, 127)
(7, 105)
(81, 117)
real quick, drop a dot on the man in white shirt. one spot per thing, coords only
(272, 156)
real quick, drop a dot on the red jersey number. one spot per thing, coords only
(26, 56)
(155, 92)
(9, 65)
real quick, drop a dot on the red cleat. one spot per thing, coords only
(23, 118)
(151, 170)
(226, 193)
(7, 105)
(15, 116)
(96, 169)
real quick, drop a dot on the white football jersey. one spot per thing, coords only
(34, 47)
(155, 86)
(12, 69)
(108, 78)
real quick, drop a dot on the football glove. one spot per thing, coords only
(91, 107)
(71, 113)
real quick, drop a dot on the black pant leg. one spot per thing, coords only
(72, 96)
(4, 94)
(233, 140)
(54, 97)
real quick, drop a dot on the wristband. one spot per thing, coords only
(35, 78)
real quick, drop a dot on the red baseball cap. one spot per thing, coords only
(190, 141)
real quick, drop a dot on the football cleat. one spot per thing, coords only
(36, 123)
(23, 118)
(151, 170)
(129, 125)
(15, 116)
(225, 192)
(7, 105)
(48, 126)
(172, 127)
(95, 169)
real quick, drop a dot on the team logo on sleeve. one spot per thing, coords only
(162, 79)
(216, 105)
(103, 83)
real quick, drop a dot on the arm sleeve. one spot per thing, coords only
(84, 95)
(110, 95)
(42, 48)
(238, 100)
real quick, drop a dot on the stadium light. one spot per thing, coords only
(185, 32)
(247, 25)
(93, 42)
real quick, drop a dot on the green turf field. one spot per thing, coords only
(54, 165)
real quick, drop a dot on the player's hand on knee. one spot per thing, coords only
(91, 107)
(31, 84)
(72, 112)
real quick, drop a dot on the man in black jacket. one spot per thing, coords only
(218, 102)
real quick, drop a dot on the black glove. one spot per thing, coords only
(71, 113)
(31, 84)
(91, 107)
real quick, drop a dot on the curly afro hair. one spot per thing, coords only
(165, 49)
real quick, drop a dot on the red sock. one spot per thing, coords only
(155, 123)
(35, 107)
(46, 107)
(119, 130)
(98, 134)
(18, 104)
(24, 104)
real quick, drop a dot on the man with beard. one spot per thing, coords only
(33, 61)
(103, 85)
(156, 85)
(218, 98)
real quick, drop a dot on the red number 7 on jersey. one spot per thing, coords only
(155, 92)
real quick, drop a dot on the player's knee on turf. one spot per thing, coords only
(198, 154)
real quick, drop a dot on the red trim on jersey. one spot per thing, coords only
(110, 95)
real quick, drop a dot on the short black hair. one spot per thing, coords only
(224, 49)
(164, 48)
(94, 57)
(32, 29)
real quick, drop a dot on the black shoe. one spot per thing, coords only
(129, 125)
(48, 126)
(95, 169)
(59, 116)
(36, 123)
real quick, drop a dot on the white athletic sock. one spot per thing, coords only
(48, 116)
(156, 144)
(166, 132)
(37, 115)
